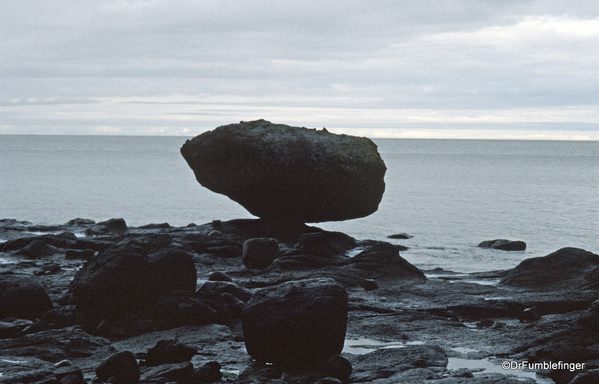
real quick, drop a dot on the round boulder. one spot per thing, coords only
(289, 174)
(298, 324)
(259, 253)
(23, 298)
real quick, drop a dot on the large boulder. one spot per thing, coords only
(289, 174)
(564, 268)
(298, 324)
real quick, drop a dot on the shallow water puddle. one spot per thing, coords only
(363, 345)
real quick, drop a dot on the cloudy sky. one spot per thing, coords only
(450, 68)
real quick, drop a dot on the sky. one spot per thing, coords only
(484, 69)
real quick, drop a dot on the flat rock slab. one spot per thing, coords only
(289, 174)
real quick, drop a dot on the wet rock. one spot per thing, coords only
(259, 253)
(530, 315)
(121, 365)
(289, 174)
(369, 284)
(565, 268)
(296, 324)
(61, 317)
(54, 345)
(22, 297)
(112, 226)
(37, 248)
(392, 361)
(181, 373)
(504, 245)
(169, 352)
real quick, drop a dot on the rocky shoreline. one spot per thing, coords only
(167, 303)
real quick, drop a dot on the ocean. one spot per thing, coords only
(448, 194)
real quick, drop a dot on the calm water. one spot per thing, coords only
(449, 194)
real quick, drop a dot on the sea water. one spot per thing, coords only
(448, 194)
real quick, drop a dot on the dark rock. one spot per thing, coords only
(23, 298)
(588, 377)
(504, 245)
(590, 318)
(530, 315)
(226, 251)
(369, 284)
(259, 253)
(79, 221)
(180, 308)
(37, 248)
(8, 330)
(169, 352)
(208, 373)
(328, 380)
(116, 281)
(147, 243)
(173, 270)
(54, 345)
(181, 373)
(565, 268)
(121, 365)
(48, 269)
(296, 324)
(391, 361)
(289, 174)
(213, 290)
(338, 367)
(317, 243)
(61, 317)
(155, 226)
(403, 236)
(79, 254)
(112, 226)
(219, 276)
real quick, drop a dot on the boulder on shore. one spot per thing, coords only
(564, 268)
(298, 324)
(287, 174)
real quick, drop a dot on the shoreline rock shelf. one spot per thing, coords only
(182, 304)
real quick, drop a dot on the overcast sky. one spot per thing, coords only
(445, 68)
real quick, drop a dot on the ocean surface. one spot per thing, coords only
(448, 194)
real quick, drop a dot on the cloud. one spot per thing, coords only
(348, 63)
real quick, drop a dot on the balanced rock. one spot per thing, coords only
(289, 174)
(298, 324)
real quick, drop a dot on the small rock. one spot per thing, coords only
(530, 315)
(37, 248)
(259, 253)
(504, 245)
(369, 284)
(169, 352)
(328, 380)
(338, 367)
(122, 366)
(112, 226)
(209, 372)
(403, 236)
(219, 276)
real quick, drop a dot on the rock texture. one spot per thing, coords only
(289, 174)
(296, 324)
